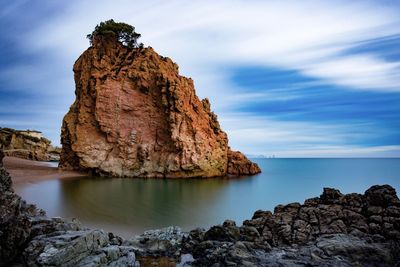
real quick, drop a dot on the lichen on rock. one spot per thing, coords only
(135, 116)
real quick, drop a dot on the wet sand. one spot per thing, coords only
(25, 171)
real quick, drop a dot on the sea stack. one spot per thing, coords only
(135, 116)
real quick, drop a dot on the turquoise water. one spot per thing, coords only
(130, 206)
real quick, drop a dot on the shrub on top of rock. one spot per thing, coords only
(122, 32)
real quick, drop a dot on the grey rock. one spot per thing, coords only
(160, 242)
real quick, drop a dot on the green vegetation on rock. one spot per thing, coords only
(123, 32)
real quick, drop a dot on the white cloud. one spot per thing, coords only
(307, 36)
(204, 37)
(365, 72)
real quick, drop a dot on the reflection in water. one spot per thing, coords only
(143, 203)
(128, 206)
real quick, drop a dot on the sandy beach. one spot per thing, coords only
(24, 171)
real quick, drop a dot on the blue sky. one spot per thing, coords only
(286, 78)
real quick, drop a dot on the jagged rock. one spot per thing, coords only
(15, 225)
(28, 144)
(159, 243)
(332, 230)
(77, 248)
(135, 116)
(238, 164)
(5, 179)
(382, 196)
(331, 195)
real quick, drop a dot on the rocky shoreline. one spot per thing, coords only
(27, 144)
(330, 230)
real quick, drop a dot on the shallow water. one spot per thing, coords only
(130, 206)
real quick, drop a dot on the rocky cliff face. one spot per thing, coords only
(135, 116)
(27, 145)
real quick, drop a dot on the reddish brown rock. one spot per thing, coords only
(135, 116)
(238, 164)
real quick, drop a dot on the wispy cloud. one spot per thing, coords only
(267, 136)
(307, 36)
(358, 71)
(315, 39)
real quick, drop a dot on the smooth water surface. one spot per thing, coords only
(130, 206)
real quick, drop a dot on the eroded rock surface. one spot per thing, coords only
(332, 230)
(135, 116)
(160, 242)
(28, 144)
(238, 164)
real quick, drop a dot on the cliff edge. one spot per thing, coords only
(135, 116)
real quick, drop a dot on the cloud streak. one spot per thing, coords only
(267, 136)
(318, 40)
(306, 36)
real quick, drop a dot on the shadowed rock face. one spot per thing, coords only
(14, 218)
(134, 115)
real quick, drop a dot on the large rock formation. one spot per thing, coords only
(134, 115)
(27, 144)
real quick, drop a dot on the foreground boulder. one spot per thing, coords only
(135, 116)
(28, 144)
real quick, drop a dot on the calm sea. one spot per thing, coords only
(130, 206)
